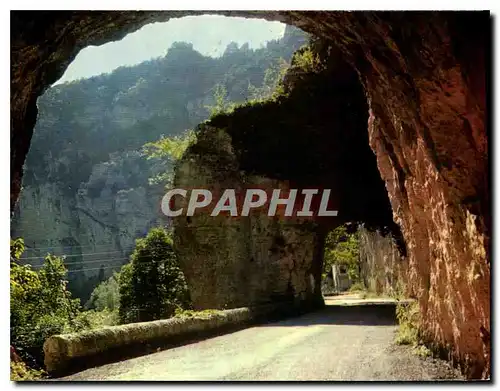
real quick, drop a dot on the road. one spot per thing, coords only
(354, 342)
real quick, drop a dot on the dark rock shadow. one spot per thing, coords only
(380, 314)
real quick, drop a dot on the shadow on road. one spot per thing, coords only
(380, 314)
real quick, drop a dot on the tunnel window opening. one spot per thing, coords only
(363, 259)
(90, 176)
(341, 261)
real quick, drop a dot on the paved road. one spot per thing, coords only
(338, 343)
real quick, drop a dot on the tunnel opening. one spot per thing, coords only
(311, 135)
(89, 190)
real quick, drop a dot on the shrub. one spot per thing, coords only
(40, 305)
(408, 316)
(20, 372)
(89, 320)
(152, 285)
(181, 313)
(357, 286)
(307, 60)
(106, 295)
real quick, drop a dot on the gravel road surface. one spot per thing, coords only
(341, 342)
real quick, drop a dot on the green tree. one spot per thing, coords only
(222, 102)
(272, 84)
(106, 295)
(342, 248)
(152, 286)
(171, 149)
(40, 304)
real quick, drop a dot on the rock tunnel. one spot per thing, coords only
(395, 122)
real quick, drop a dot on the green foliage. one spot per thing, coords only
(182, 313)
(106, 296)
(342, 248)
(40, 305)
(422, 351)
(272, 85)
(16, 249)
(306, 60)
(408, 316)
(357, 287)
(19, 371)
(170, 147)
(152, 285)
(89, 320)
(222, 102)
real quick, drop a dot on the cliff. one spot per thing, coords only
(86, 191)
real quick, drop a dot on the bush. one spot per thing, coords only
(306, 60)
(408, 316)
(152, 286)
(180, 313)
(20, 372)
(40, 305)
(90, 320)
(106, 295)
(357, 286)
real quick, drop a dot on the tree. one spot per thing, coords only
(222, 103)
(272, 85)
(106, 295)
(342, 248)
(40, 304)
(171, 149)
(152, 286)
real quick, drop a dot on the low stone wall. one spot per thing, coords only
(63, 351)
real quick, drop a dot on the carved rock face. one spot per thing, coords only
(424, 78)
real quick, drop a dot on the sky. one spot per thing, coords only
(209, 34)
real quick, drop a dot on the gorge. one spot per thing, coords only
(418, 97)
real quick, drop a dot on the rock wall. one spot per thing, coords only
(383, 269)
(95, 226)
(233, 261)
(424, 76)
(427, 127)
(306, 137)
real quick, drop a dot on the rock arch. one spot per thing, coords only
(424, 76)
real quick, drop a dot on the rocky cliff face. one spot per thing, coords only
(95, 226)
(230, 262)
(383, 269)
(424, 77)
(86, 190)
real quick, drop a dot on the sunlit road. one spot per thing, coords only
(337, 343)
